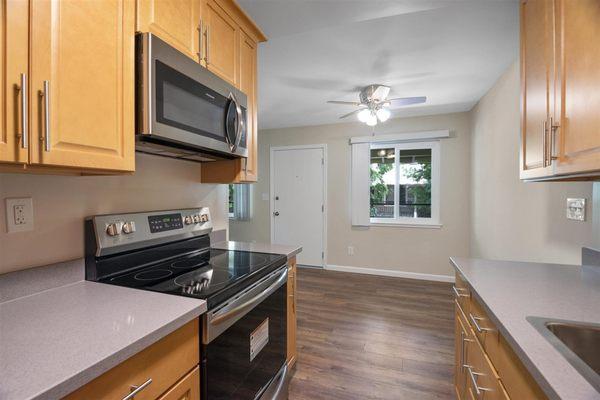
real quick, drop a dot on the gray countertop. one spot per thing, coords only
(290, 251)
(56, 340)
(512, 291)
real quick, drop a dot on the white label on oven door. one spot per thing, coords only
(259, 338)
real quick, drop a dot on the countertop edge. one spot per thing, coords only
(529, 365)
(85, 376)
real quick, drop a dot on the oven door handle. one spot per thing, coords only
(218, 319)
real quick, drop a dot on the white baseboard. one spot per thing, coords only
(391, 272)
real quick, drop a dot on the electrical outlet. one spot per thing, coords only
(576, 209)
(19, 215)
(350, 250)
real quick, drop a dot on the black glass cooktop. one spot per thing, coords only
(210, 274)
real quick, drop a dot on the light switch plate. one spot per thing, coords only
(576, 209)
(19, 215)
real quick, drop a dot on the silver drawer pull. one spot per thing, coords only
(474, 375)
(137, 389)
(475, 322)
(457, 293)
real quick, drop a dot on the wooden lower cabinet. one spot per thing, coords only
(188, 388)
(171, 364)
(486, 367)
(292, 349)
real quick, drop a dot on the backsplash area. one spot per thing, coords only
(61, 203)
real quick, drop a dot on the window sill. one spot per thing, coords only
(425, 225)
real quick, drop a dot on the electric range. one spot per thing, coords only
(244, 331)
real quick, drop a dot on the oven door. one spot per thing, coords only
(182, 103)
(244, 344)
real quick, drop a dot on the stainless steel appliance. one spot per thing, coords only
(244, 332)
(183, 110)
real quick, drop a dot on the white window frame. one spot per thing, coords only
(434, 221)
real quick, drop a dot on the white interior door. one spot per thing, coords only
(298, 200)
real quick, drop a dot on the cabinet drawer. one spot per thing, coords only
(515, 377)
(462, 293)
(482, 380)
(187, 388)
(484, 329)
(165, 362)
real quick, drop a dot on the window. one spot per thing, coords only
(404, 182)
(239, 203)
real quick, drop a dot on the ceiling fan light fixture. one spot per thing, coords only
(383, 114)
(371, 119)
(363, 115)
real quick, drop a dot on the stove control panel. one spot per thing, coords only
(120, 232)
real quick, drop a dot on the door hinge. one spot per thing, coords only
(323, 255)
(322, 161)
(322, 208)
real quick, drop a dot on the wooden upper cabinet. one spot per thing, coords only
(221, 32)
(14, 50)
(177, 22)
(578, 133)
(248, 85)
(536, 86)
(82, 84)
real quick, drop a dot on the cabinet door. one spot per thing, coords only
(460, 341)
(248, 86)
(82, 83)
(188, 388)
(14, 49)
(177, 22)
(292, 351)
(536, 80)
(221, 38)
(578, 136)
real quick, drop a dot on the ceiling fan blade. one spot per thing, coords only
(405, 101)
(351, 113)
(348, 103)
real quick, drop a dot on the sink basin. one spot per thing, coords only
(578, 342)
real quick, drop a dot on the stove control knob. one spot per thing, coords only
(204, 218)
(196, 218)
(113, 229)
(188, 220)
(128, 227)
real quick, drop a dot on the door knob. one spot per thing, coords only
(276, 213)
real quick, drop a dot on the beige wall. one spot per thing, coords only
(418, 250)
(62, 202)
(514, 220)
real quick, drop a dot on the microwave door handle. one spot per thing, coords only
(238, 126)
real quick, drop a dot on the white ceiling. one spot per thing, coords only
(451, 51)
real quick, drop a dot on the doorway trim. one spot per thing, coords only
(272, 151)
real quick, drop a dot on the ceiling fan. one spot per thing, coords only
(374, 105)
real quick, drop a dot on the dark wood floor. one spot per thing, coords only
(372, 337)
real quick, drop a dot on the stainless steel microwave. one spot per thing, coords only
(183, 110)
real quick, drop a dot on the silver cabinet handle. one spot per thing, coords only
(475, 322)
(46, 95)
(136, 389)
(544, 144)
(24, 127)
(200, 36)
(457, 293)
(474, 375)
(207, 50)
(553, 128)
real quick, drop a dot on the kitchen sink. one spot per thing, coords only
(578, 342)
